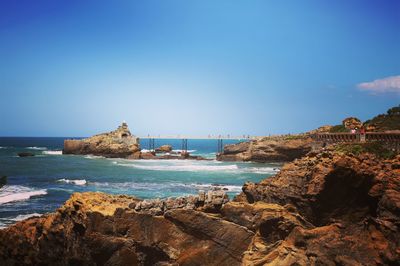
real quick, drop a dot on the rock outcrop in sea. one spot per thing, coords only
(268, 149)
(119, 143)
(328, 208)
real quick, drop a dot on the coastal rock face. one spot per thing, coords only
(119, 143)
(268, 149)
(352, 202)
(327, 208)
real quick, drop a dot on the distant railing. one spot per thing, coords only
(357, 137)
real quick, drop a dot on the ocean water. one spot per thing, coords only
(42, 183)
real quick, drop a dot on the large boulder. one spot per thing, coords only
(164, 148)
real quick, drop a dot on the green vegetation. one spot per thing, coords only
(377, 148)
(338, 129)
(291, 137)
(388, 121)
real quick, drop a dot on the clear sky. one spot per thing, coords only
(75, 68)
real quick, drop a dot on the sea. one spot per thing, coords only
(42, 183)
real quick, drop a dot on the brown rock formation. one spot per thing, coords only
(328, 208)
(164, 148)
(268, 149)
(99, 229)
(119, 143)
(353, 202)
(352, 123)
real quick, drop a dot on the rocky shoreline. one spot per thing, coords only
(327, 208)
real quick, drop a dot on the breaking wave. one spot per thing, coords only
(93, 157)
(25, 216)
(166, 186)
(52, 152)
(19, 193)
(37, 148)
(78, 182)
(4, 222)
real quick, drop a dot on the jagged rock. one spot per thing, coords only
(99, 229)
(3, 181)
(119, 143)
(147, 155)
(212, 201)
(25, 154)
(352, 202)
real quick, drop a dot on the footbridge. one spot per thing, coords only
(184, 138)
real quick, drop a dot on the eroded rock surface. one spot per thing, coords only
(352, 202)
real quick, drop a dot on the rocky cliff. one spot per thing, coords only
(119, 143)
(268, 149)
(328, 208)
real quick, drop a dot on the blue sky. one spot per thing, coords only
(75, 68)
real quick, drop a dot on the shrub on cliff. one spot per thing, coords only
(338, 129)
(377, 148)
(388, 121)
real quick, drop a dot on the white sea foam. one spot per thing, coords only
(37, 148)
(230, 188)
(179, 151)
(175, 151)
(18, 193)
(25, 216)
(78, 182)
(6, 221)
(93, 157)
(194, 166)
(182, 167)
(168, 186)
(260, 170)
(52, 152)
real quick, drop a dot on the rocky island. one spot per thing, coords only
(119, 143)
(338, 206)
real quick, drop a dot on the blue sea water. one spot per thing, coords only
(42, 183)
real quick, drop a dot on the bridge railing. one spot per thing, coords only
(357, 137)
